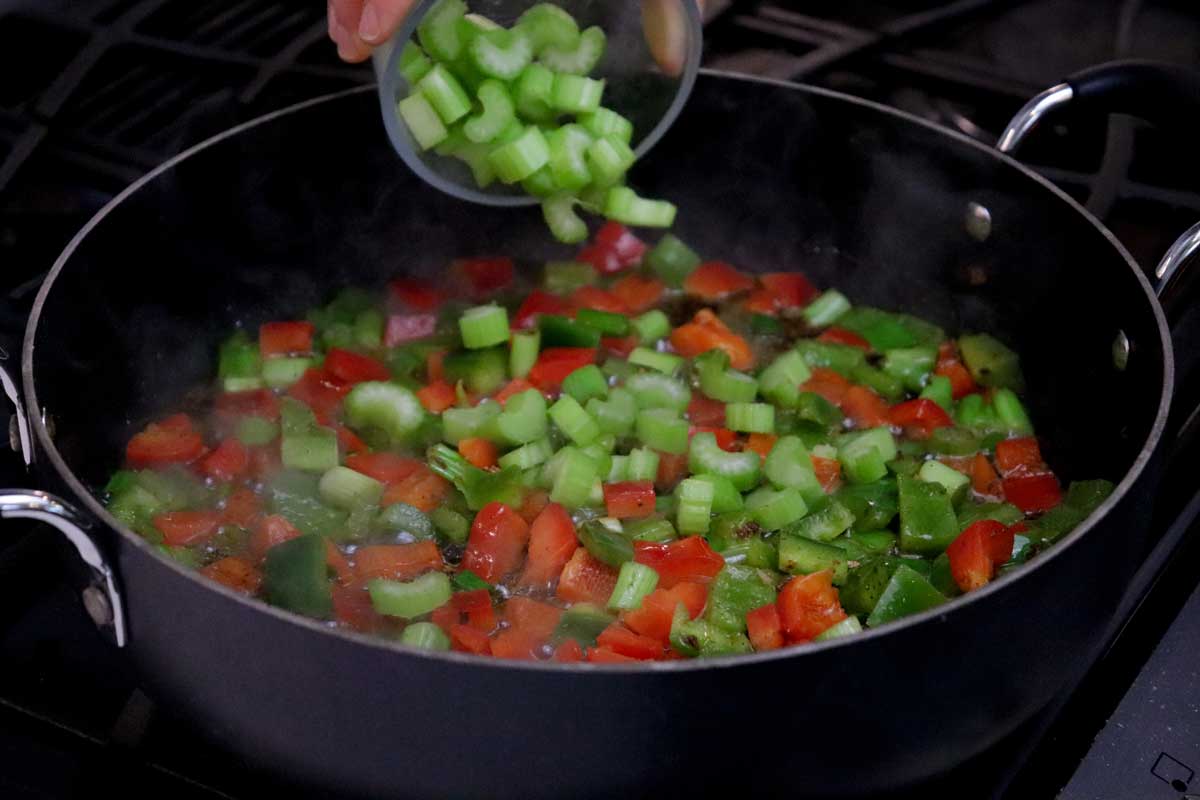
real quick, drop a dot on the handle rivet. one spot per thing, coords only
(96, 604)
(1120, 351)
(978, 222)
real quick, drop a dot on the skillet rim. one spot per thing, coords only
(654, 668)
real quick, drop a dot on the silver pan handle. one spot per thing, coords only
(1155, 91)
(101, 599)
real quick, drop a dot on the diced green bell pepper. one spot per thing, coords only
(927, 521)
(699, 637)
(296, 577)
(907, 593)
(736, 591)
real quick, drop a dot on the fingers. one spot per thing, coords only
(665, 26)
(358, 26)
(343, 19)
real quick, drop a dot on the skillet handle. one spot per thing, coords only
(101, 599)
(1158, 92)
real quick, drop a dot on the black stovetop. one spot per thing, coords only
(116, 86)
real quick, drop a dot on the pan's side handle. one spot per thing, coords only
(18, 428)
(1157, 92)
(101, 599)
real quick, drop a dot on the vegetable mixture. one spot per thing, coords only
(495, 98)
(645, 456)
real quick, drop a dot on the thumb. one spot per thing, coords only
(381, 18)
(665, 25)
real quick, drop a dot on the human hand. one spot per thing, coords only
(359, 26)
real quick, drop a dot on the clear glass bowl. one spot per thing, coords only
(636, 86)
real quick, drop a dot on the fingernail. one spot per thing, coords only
(368, 23)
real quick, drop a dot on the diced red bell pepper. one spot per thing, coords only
(349, 440)
(585, 579)
(416, 294)
(865, 408)
(479, 452)
(320, 392)
(538, 302)
(1033, 492)
(704, 412)
(336, 560)
(616, 237)
(707, 332)
(387, 468)
(1019, 457)
(437, 397)
(727, 440)
(629, 499)
(637, 293)
(285, 338)
(552, 542)
(828, 384)
(350, 368)
(690, 559)
(532, 616)
(466, 639)
(554, 364)
(1001, 540)
(241, 508)
(169, 441)
(497, 540)
(828, 472)
(424, 490)
(445, 617)
(672, 468)
(184, 528)
(761, 443)
(599, 299)
(569, 652)
(534, 504)
(984, 479)
(715, 280)
(254, 403)
(403, 328)
(397, 562)
(836, 335)
(352, 607)
(602, 259)
(619, 639)
(605, 655)
(949, 365)
(972, 561)
(270, 531)
(790, 289)
(620, 347)
(434, 369)
(809, 605)
(477, 607)
(516, 645)
(486, 276)
(236, 573)
(765, 628)
(761, 301)
(920, 417)
(229, 461)
(653, 617)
